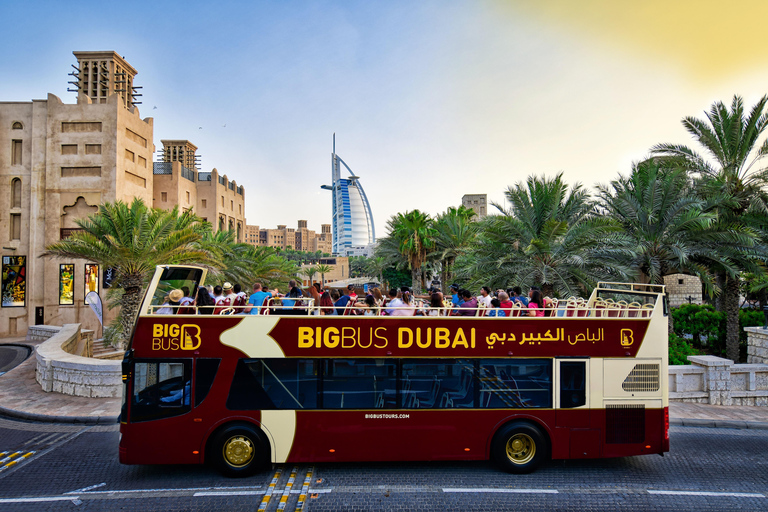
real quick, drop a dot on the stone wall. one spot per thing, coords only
(757, 345)
(680, 287)
(62, 372)
(717, 381)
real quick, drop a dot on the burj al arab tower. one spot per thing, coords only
(352, 226)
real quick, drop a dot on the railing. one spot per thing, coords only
(231, 186)
(187, 173)
(717, 381)
(222, 181)
(240, 190)
(162, 167)
(204, 176)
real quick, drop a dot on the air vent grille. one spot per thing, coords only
(643, 377)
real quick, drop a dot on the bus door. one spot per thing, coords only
(572, 409)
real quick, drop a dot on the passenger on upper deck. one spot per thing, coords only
(468, 307)
(456, 298)
(326, 304)
(204, 302)
(436, 305)
(505, 303)
(485, 297)
(393, 303)
(377, 296)
(495, 309)
(536, 304)
(517, 296)
(341, 303)
(256, 300)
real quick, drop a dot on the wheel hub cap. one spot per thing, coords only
(521, 449)
(238, 451)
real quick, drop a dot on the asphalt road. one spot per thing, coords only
(70, 467)
(12, 356)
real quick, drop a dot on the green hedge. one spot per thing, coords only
(706, 327)
(679, 350)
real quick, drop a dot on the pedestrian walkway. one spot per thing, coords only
(22, 397)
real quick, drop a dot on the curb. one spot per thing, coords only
(45, 418)
(695, 422)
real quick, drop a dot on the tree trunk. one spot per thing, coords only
(129, 307)
(719, 300)
(731, 303)
(415, 279)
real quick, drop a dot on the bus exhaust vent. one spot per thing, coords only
(643, 377)
(624, 423)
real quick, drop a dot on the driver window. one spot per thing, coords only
(160, 390)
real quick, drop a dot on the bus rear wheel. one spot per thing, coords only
(519, 447)
(239, 450)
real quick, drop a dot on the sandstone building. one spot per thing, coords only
(300, 239)
(59, 161)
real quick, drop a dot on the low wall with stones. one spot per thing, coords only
(757, 345)
(717, 381)
(62, 372)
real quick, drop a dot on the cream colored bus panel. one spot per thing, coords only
(627, 378)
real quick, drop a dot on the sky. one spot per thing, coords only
(429, 100)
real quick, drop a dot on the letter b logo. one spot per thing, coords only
(190, 337)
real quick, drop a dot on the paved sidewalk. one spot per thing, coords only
(22, 397)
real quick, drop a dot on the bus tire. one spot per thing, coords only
(519, 447)
(239, 449)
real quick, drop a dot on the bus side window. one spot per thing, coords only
(160, 389)
(572, 384)
(205, 372)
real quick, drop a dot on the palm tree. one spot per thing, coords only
(310, 273)
(664, 219)
(376, 266)
(323, 269)
(133, 239)
(734, 175)
(414, 236)
(455, 230)
(550, 237)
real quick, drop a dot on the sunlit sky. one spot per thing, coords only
(429, 100)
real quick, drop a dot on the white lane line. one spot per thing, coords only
(706, 493)
(228, 493)
(491, 489)
(38, 500)
(86, 489)
(188, 489)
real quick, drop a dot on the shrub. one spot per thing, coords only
(706, 327)
(679, 350)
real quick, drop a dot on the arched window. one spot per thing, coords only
(17, 126)
(15, 193)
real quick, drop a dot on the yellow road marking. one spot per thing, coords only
(270, 490)
(304, 490)
(13, 458)
(287, 490)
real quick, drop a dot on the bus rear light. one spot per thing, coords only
(666, 423)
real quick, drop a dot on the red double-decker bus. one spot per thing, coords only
(243, 390)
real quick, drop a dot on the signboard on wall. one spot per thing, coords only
(91, 283)
(66, 284)
(14, 281)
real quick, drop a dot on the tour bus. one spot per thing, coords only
(241, 391)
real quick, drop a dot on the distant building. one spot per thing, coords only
(339, 272)
(683, 289)
(476, 202)
(301, 239)
(352, 224)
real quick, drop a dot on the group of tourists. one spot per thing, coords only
(230, 299)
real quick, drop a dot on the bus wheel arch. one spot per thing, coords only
(520, 446)
(238, 449)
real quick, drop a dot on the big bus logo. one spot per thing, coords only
(626, 337)
(175, 337)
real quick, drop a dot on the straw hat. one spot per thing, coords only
(226, 286)
(176, 295)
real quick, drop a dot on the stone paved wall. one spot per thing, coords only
(717, 381)
(757, 345)
(62, 372)
(679, 293)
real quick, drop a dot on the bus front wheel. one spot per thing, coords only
(519, 447)
(239, 450)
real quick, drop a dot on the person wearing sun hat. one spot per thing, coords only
(171, 300)
(226, 292)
